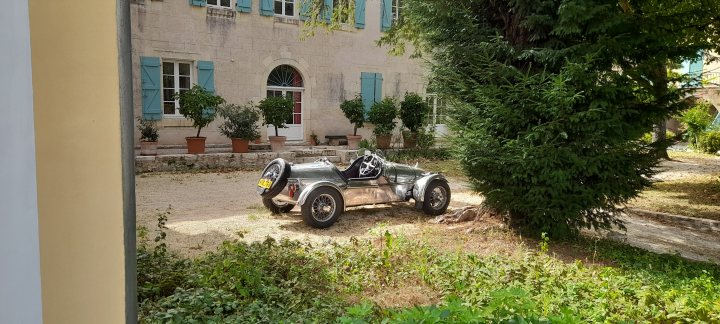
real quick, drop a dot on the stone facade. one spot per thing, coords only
(246, 47)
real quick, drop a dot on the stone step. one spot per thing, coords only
(259, 147)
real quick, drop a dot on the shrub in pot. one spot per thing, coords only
(382, 114)
(148, 136)
(354, 111)
(276, 111)
(413, 113)
(200, 106)
(240, 125)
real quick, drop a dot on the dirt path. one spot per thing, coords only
(209, 208)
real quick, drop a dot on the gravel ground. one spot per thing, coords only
(209, 208)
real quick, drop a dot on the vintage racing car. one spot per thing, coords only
(323, 191)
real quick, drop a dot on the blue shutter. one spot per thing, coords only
(243, 5)
(267, 7)
(695, 69)
(378, 87)
(305, 9)
(206, 79)
(386, 14)
(199, 3)
(367, 89)
(328, 11)
(150, 77)
(360, 14)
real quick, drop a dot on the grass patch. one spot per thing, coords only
(697, 196)
(402, 280)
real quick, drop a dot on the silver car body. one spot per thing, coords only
(394, 183)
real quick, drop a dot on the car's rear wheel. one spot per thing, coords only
(323, 207)
(277, 207)
(437, 198)
(276, 172)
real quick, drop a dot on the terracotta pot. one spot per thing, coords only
(312, 141)
(195, 145)
(383, 141)
(354, 141)
(240, 145)
(258, 140)
(148, 148)
(409, 140)
(277, 143)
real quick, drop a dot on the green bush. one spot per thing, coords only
(148, 129)
(382, 114)
(240, 121)
(276, 111)
(647, 137)
(697, 119)
(709, 142)
(413, 112)
(354, 111)
(199, 105)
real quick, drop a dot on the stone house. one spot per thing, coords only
(246, 50)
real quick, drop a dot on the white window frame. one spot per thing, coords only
(395, 10)
(296, 8)
(176, 82)
(220, 6)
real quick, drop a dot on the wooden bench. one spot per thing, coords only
(335, 140)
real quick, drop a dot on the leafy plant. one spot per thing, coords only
(368, 144)
(148, 129)
(276, 111)
(354, 111)
(382, 114)
(413, 112)
(240, 121)
(425, 138)
(697, 119)
(709, 142)
(647, 137)
(199, 105)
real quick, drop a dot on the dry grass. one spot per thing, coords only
(696, 196)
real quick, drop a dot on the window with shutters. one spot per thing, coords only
(395, 10)
(176, 77)
(285, 8)
(220, 3)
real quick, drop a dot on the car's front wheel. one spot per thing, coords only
(277, 207)
(323, 207)
(437, 198)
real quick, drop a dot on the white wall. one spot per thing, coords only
(20, 293)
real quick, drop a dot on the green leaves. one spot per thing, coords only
(382, 114)
(240, 121)
(199, 105)
(276, 111)
(354, 111)
(413, 111)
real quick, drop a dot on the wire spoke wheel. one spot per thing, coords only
(438, 197)
(323, 207)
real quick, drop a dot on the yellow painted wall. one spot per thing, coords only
(77, 128)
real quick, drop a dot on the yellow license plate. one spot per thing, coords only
(265, 183)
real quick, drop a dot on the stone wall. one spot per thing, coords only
(245, 47)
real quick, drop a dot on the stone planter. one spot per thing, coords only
(353, 141)
(277, 143)
(409, 140)
(195, 145)
(240, 145)
(148, 148)
(383, 141)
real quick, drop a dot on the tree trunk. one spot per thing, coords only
(660, 85)
(659, 139)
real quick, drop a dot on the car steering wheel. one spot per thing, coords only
(367, 166)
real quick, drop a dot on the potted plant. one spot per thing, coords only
(354, 111)
(313, 139)
(148, 136)
(199, 105)
(276, 111)
(413, 113)
(382, 114)
(240, 125)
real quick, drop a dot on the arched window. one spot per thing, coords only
(285, 76)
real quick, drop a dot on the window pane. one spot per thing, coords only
(168, 94)
(168, 81)
(168, 68)
(298, 108)
(289, 8)
(298, 119)
(184, 68)
(169, 108)
(184, 82)
(278, 7)
(212, 2)
(225, 3)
